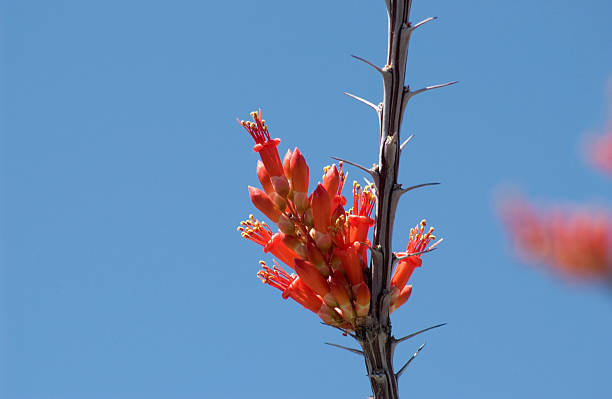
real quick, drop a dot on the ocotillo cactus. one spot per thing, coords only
(326, 245)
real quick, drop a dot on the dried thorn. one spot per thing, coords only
(424, 89)
(417, 253)
(368, 171)
(423, 22)
(397, 341)
(405, 190)
(399, 373)
(366, 102)
(355, 351)
(344, 332)
(406, 141)
(369, 63)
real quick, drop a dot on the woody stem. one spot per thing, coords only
(374, 332)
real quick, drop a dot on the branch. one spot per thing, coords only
(355, 351)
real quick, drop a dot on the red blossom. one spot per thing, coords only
(576, 242)
(326, 244)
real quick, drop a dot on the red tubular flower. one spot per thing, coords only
(278, 248)
(299, 180)
(286, 164)
(266, 147)
(337, 284)
(264, 178)
(577, 243)
(418, 242)
(362, 298)
(320, 204)
(331, 181)
(351, 264)
(262, 202)
(362, 250)
(293, 287)
(321, 208)
(256, 231)
(359, 219)
(400, 299)
(317, 259)
(313, 279)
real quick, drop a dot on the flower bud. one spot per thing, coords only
(295, 244)
(351, 264)
(313, 279)
(286, 164)
(400, 299)
(316, 257)
(286, 225)
(321, 205)
(264, 178)
(264, 204)
(331, 181)
(277, 247)
(361, 293)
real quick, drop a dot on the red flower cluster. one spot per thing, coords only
(576, 243)
(322, 242)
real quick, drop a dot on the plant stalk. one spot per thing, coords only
(374, 333)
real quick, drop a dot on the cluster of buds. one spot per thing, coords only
(577, 243)
(325, 245)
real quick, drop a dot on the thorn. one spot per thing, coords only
(424, 89)
(355, 351)
(405, 190)
(417, 253)
(366, 102)
(344, 332)
(406, 142)
(423, 22)
(368, 62)
(368, 171)
(397, 341)
(399, 373)
(365, 244)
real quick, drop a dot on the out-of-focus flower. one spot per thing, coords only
(325, 244)
(599, 150)
(575, 242)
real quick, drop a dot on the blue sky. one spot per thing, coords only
(124, 175)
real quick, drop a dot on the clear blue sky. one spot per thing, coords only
(124, 175)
